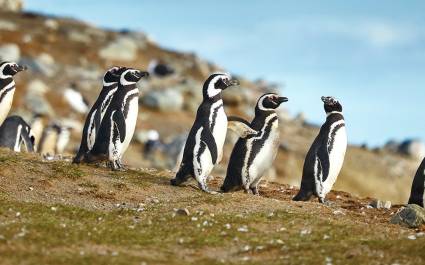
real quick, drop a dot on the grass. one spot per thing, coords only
(132, 228)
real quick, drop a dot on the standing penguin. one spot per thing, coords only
(418, 186)
(7, 86)
(325, 158)
(204, 145)
(256, 149)
(96, 113)
(119, 122)
(15, 133)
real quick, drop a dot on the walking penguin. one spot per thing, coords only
(7, 86)
(256, 149)
(119, 122)
(204, 145)
(325, 158)
(96, 113)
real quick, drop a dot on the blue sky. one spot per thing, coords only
(368, 54)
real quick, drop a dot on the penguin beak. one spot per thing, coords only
(19, 68)
(328, 100)
(140, 74)
(233, 82)
(280, 100)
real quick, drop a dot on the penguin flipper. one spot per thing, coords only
(240, 126)
(208, 138)
(323, 157)
(119, 120)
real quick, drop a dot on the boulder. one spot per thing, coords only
(166, 100)
(411, 216)
(11, 5)
(121, 49)
(7, 25)
(10, 52)
(43, 64)
(413, 148)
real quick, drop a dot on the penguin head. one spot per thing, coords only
(217, 82)
(131, 76)
(113, 75)
(331, 104)
(9, 69)
(269, 102)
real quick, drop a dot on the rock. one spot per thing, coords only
(167, 100)
(236, 96)
(34, 98)
(184, 211)
(51, 24)
(121, 49)
(37, 86)
(411, 216)
(377, 204)
(43, 64)
(10, 52)
(413, 148)
(78, 36)
(11, 5)
(7, 25)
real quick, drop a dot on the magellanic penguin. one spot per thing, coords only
(204, 145)
(418, 186)
(7, 86)
(325, 158)
(54, 140)
(96, 113)
(256, 149)
(119, 122)
(37, 127)
(15, 133)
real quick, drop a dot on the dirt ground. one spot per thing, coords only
(58, 213)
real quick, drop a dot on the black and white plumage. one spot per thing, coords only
(418, 186)
(15, 133)
(7, 86)
(325, 158)
(119, 122)
(96, 113)
(256, 149)
(204, 145)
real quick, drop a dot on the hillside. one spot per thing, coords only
(58, 213)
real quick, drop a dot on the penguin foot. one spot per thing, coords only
(255, 191)
(175, 182)
(204, 187)
(248, 191)
(326, 202)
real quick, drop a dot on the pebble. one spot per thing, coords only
(412, 237)
(183, 211)
(243, 229)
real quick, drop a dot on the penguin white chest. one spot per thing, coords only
(130, 122)
(336, 157)
(218, 119)
(6, 103)
(267, 153)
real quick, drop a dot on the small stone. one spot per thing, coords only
(243, 229)
(412, 237)
(18, 214)
(194, 219)
(228, 226)
(411, 216)
(53, 208)
(378, 204)
(246, 248)
(183, 211)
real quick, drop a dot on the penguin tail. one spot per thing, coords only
(303, 195)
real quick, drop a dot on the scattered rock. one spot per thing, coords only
(34, 99)
(78, 36)
(121, 49)
(51, 24)
(183, 211)
(411, 216)
(10, 52)
(11, 5)
(43, 64)
(7, 25)
(237, 96)
(413, 148)
(377, 204)
(167, 100)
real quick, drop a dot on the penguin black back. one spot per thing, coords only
(15, 133)
(418, 186)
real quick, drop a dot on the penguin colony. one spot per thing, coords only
(111, 121)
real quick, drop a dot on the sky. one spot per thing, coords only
(368, 54)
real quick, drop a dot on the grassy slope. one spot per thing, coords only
(58, 213)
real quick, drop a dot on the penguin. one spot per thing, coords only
(96, 113)
(119, 122)
(418, 186)
(326, 155)
(75, 99)
(204, 144)
(37, 128)
(256, 149)
(15, 133)
(7, 86)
